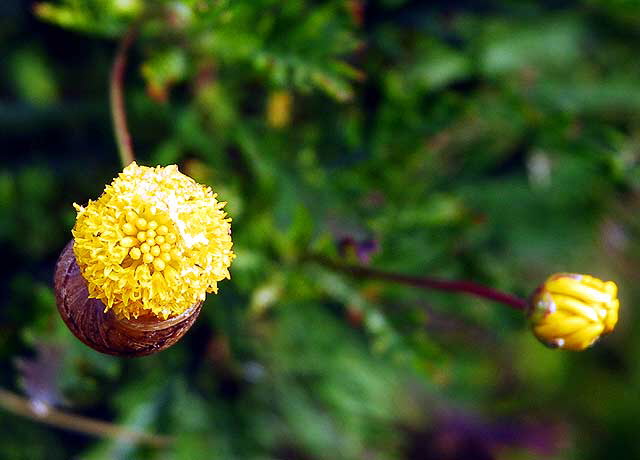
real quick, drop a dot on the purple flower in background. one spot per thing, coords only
(39, 377)
(457, 435)
(362, 249)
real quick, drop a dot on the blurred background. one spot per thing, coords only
(497, 141)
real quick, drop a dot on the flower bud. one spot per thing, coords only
(571, 311)
(142, 259)
(279, 109)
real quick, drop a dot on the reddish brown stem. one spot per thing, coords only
(64, 420)
(427, 282)
(118, 111)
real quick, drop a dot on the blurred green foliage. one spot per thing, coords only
(497, 141)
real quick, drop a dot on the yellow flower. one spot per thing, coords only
(155, 242)
(571, 311)
(279, 109)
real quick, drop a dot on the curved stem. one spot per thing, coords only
(21, 406)
(426, 282)
(118, 111)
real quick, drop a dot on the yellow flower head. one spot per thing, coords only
(155, 242)
(279, 109)
(572, 311)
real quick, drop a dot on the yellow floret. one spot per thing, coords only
(121, 256)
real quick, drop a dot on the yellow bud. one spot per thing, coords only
(572, 311)
(158, 264)
(127, 242)
(279, 108)
(129, 229)
(131, 216)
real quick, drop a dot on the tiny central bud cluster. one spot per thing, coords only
(151, 239)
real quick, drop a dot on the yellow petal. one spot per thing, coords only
(571, 287)
(558, 325)
(575, 307)
(582, 338)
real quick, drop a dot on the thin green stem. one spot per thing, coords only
(426, 282)
(118, 110)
